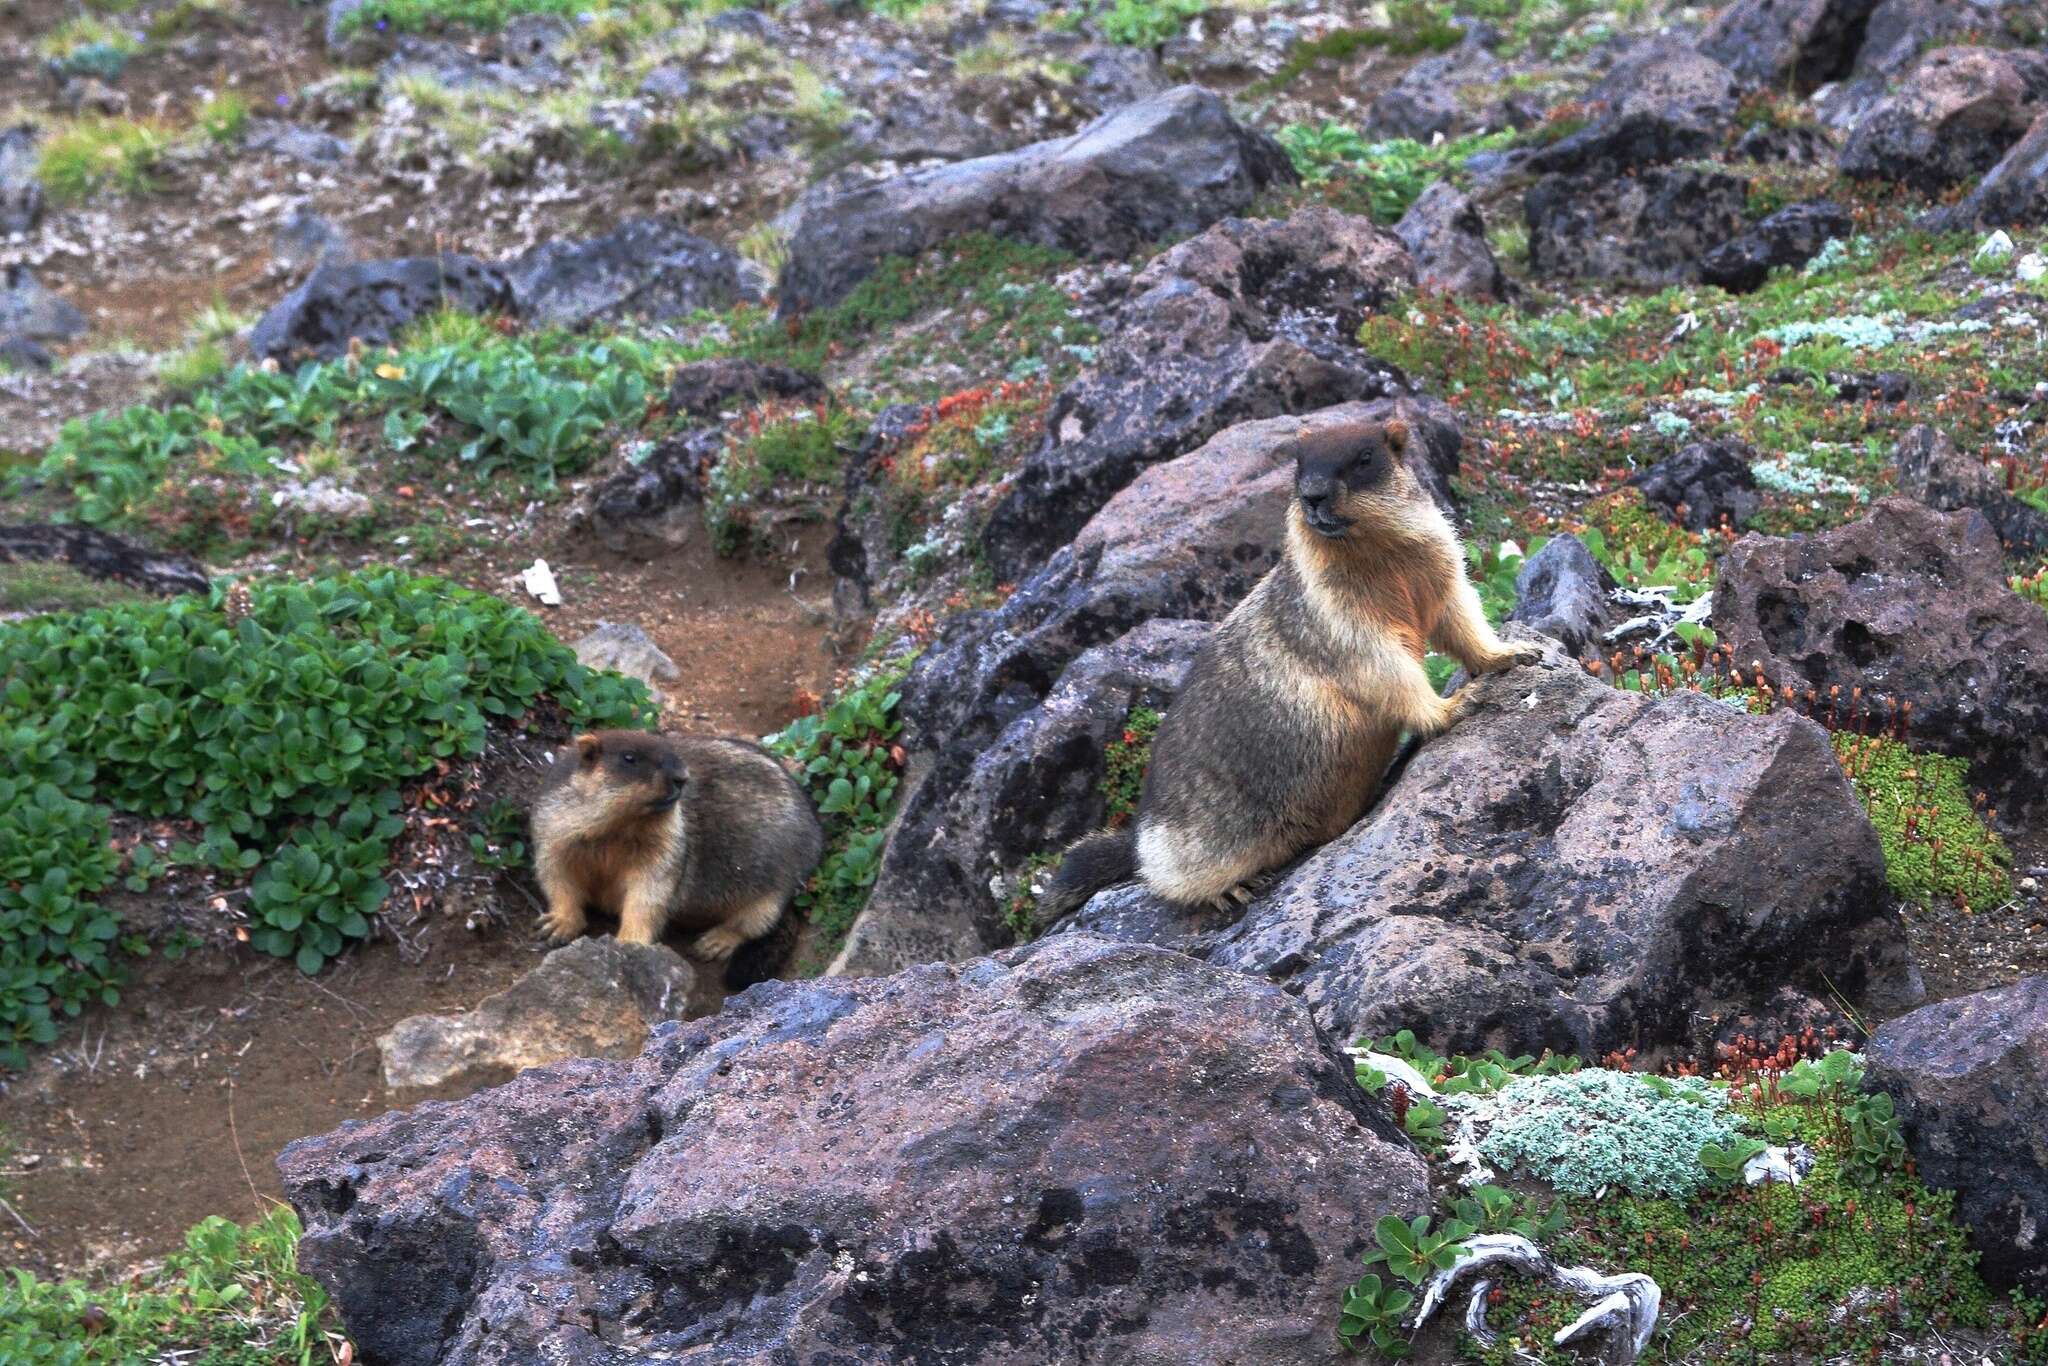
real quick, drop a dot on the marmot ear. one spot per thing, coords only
(1397, 435)
(586, 748)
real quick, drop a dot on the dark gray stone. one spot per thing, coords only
(1561, 592)
(372, 300)
(103, 555)
(1932, 471)
(1790, 237)
(1651, 229)
(646, 268)
(1446, 236)
(1707, 484)
(34, 313)
(1780, 43)
(1951, 119)
(21, 193)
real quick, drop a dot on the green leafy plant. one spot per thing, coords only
(1725, 1161)
(223, 117)
(82, 158)
(1876, 1144)
(321, 889)
(1125, 760)
(1384, 177)
(1413, 1250)
(1490, 1209)
(1374, 1311)
(1939, 848)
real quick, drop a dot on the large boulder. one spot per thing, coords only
(1429, 100)
(1910, 604)
(1561, 592)
(1663, 101)
(1707, 484)
(21, 191)
(645, 268)
(1780, 43)
(1650, 229)
(2013, 194)
(595, 998)
(1951, 119)
(1969, 1079)
(1251, 319)
(1901, 30)
(1446, 237)
(343, 301)
(1792, 236)
(1580, 868)
(1186, 540)
(1164, 167)
(1932, 471)
(1077, 1151)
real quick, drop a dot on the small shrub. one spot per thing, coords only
(1125, 760)
(781, 456)
(223, 117)
(101, 153)
(1585, 1131)
(1374, 1312)
(1387, 177)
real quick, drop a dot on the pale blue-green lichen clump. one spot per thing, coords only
(1596, 1128)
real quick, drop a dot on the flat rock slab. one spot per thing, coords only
(595, 998)
(1080, 1150)
(1579, 868)
(1970, 1080)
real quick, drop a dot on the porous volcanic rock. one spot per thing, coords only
(1932, 471)
(1662, 102)
(103, 555)
(1969, 1078)
(1187, 539)
(1911, 604)
(1951, 118)
(2013, 194)
(595, 998)
(1705, 485)
(371, 300)
(1163, 167)
(1801, 43)
(1900, 31)
(1446, 237)
(645, 268)
(1792, 236)
(1561, 592)
(1579, 868)
(1650, 229)
(1250, 319)
(1079, 1150)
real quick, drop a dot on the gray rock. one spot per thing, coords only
(2013, 194)
(1952, 118)
(451, 66)
(994, 1161)
(534, 40)
(1113, 76)
(666, 85)
(1250, 319)
(1165, 167)
(1580, 868)
(291, 141)
(1910, 604)
(1707, 484)
(625, 648)
(922, 125)
(1187, 539)
(1792, 236)
(1561, 592)
(1429, 100)
(1901, 30)
(31, 312)
(1649, 229)
(103, 555)
(1932, 471)
(595, 998)
(1969, 1080)
(1446, 236)
(372, 300)
(323, 498)
(1661, 102)
(645, 268)
(305, 238)
(333, 33)
(1800, 43)
(749, 23)
(21, 193)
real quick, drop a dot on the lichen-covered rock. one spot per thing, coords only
(1078, 1150)
(1707, 484)
(1792, 236)
(1187, 539)
(21, 190)
(1932, 471)
(2013, 194)
(1911, 604)
(1951, 118)
(646, 268)
(1969, 1079)
(1163, 167)
(1561, 592)
(1801, 43)
(1446, 237)
(1580, 868)
(1251, 319)
(595, 998)
(1662, 102)
(345, 300)
(1650, 229)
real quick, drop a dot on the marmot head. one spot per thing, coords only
(1351, 476)
(632, 770)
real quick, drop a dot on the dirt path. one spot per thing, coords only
(173, 1105)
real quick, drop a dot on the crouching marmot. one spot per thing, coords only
(687, 831)
(1294, 706)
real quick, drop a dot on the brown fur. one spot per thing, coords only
(1294, 707)
(692, 832)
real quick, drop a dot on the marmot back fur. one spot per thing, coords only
(1293, 707)
(695, 832)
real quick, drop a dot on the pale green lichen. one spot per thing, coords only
(1586, 1131)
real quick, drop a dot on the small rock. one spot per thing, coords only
(1445, 234)
(646, 268)
(371, 300)
(596, 998)
(1707, 484)
(1561, 591)
(305, 238)
(21, 192)
(1951, 119)
(322, 497)
(30, 311)
(1932, 471)
(289, 140)
(2013, 194)
(1790, 237)
(1796, 43)
(626, 649)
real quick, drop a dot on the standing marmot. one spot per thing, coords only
(703, 833)
(1293, 707)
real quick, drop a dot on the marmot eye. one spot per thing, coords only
(629, 759)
